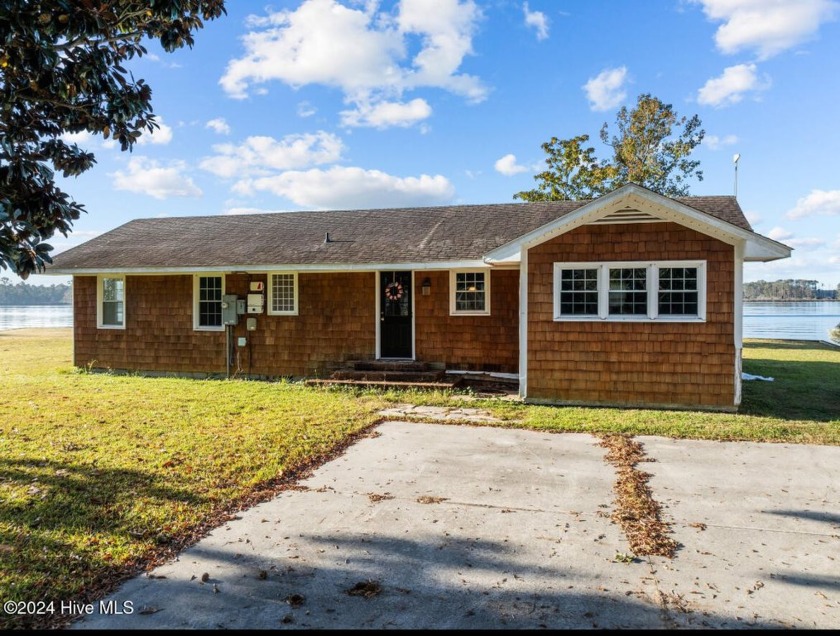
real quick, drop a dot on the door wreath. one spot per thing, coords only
(394, 291)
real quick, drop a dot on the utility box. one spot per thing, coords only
(255, 303)
(240, 306)
(251, 324)
(229, 314)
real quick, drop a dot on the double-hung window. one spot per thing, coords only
(469, 292)
(110, 302)
(283, 294)
(666, 291)
(207, 302)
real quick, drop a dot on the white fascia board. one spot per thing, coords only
(757, 247)
(263, 268)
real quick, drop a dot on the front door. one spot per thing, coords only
(395, 315)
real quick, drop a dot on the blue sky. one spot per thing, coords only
(337, 104)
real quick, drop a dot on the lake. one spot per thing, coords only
(791, 321)
(786, 321)
(24, 316)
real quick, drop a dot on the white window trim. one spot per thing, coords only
(196, 313)
(452, 276)
(99, 299)
(652, 269)
(271, 312)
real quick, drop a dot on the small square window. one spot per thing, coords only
(579, 292)
(678, 291)
(470, 292)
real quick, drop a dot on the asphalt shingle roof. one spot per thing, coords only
(405, 235)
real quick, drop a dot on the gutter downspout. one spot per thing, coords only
(739, 317)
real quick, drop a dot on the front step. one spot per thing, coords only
(385, 384)
(389, 365)
(379, 375)
(389, 374)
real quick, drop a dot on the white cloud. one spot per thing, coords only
(218, 125)
(507, 166)
(537, 20)
(363, 52)
(713, 142)
(767, 27)
(730, 87)
(387, 114)
(779, 234)
(350, 187)
(606, 90)
(817, 202)
(81, 138)
(753, 217)
(159, 137)
(259, 155)
(146, 176)
(805, 242)
(305, 109)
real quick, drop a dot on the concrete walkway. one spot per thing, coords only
(440, 526)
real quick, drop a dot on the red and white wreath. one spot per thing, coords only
(394, 291)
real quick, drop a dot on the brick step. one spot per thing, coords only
(379, 375)
(389, 365)
(387, 384)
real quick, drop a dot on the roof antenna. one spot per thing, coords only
(735, 160)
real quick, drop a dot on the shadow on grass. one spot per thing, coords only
(801, 390)
(789, 345)
(66, 529)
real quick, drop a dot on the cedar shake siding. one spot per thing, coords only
(632, 363)
(159, 332)
(471, 343)
(335, 322)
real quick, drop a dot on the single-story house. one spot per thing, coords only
(630, 299)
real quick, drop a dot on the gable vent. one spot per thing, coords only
(627, 215)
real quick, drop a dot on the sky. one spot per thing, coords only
(346, 104)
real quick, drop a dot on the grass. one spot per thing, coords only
(801, 405)
(102, 475)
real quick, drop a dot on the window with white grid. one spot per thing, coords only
(470, 292)
(666, 291)
(282, 292)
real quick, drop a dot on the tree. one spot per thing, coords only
(61, 72)
(573, 172)
(645, 151)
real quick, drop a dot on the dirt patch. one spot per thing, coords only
(366, 589)
(428, 499)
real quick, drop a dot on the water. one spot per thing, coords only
(791, 321)
(785, 321)
(25, 316)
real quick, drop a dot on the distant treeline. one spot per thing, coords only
(791, 289)
(23, 294)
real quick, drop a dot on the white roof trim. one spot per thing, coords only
(758, 248)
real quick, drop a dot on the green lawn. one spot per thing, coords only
(102, 474)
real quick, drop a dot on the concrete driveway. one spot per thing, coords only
(437, 526)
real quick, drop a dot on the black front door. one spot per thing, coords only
(395, 314)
